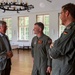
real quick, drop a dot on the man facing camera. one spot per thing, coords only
(40, 45)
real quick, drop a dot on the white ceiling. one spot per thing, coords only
(44, 5)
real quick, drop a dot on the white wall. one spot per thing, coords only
(32, 19)
(40, 7)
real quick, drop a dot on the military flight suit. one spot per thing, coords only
(40, 47)
(63, 52)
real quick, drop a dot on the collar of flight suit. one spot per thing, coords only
(70, 25)
(40, 36)
(1, 34)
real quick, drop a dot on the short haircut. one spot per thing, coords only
(40, 24)
(2, 22)
(71, 8)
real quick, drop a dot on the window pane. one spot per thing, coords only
(44, 19)
(61, 27)
(27, 21)
(46, 30)
(9, 27)
(23, 28)
(40, 18)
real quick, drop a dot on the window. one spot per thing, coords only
(9, 27)
(44, 19)
(61, 27)
(23, 28)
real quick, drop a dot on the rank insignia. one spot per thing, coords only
(40, 41)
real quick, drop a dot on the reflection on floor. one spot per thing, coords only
(21, 63)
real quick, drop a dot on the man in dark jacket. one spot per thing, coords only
(5, 51)
(62, 51)
(40, 45)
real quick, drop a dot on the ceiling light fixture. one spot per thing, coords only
(49, 1)
(15, 6)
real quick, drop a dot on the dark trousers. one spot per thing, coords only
(48, 73)
(7, 69)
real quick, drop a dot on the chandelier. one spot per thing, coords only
(15, 6)
(49, 1)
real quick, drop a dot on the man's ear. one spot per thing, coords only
(67, 13)
(40, 29)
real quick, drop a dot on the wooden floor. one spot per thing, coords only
(21, 63)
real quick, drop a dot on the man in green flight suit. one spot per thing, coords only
(40, 45)
(62, 51)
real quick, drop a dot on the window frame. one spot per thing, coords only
(43, 21)
(59, 24)
(7, 27)
(18, 30)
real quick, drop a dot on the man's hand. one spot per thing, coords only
(9, 54)
(48, 70)
(51, 45)
(33, 59)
